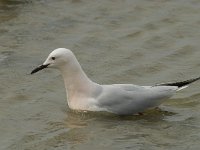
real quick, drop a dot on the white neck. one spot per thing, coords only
(77, 84)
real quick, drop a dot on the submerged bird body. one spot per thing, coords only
(84, 94)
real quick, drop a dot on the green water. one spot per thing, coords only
(116, 41)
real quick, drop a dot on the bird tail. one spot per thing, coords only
(181, 85)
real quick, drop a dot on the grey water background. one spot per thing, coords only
(116, 41)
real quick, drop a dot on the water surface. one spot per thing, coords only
(116, 41)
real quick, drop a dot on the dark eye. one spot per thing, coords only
(53, 58)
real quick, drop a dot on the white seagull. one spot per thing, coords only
(123, 99)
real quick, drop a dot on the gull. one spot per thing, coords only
(122, 99)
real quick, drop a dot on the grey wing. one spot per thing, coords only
(130, 99)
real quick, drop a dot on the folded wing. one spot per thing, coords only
(130, 99)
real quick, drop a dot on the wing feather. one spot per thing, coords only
(127, 99)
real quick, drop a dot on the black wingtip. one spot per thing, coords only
(179, 84)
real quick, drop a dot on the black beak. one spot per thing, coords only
(39, 68)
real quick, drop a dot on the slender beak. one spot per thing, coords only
(39, 68)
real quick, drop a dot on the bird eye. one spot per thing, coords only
(53, 58)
